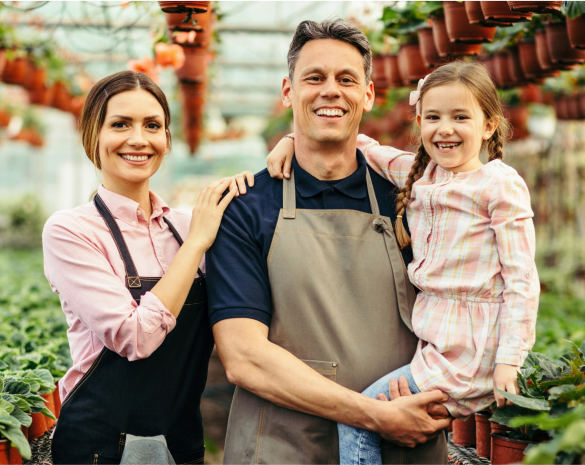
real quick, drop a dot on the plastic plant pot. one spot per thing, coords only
(411, 65)
(531, 93)
(56, 396)
(559, 47)
(518, 118)
(464, 432)
(574, 108)
(483, 439)
(15, 71)
(475, 15)
(2, 60)
(51, 406)
(38, 426)
(444, 45)
(502, 69)
(535, 7)
(530, 63)
(43, 96)
(428, 51)
(395, 79)
(514, 66)
(183, 7)
(459, 29)
(195, 68)
(380, 72)
(500, 12)
(576, 31)
(507, 451)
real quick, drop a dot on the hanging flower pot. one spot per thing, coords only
(506, 451)
(531, 93)
(411, 65)
(175, 22)
(36, 78)
(4, 118)
(518, 119)
(559, 47)
(483, 437)
(32, 137)
(543, 54)
(490, 64)
(514, 66)
(573, 108)
(499, 11)
(443, 43)
(200, 36)
(428, 51)
(459, 29)
(530, 63)
(502, 70)
(576, 31)
(75, 109)
(42, 96)
(183, 7)
(561, 108)
(535, 7)
(15, 71)
(2, 60)
(475, 15)
(464, 432)
(195, 68)
(395, 79)
(380, 72)
(61, 97)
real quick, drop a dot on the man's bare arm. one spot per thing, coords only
(267, 370)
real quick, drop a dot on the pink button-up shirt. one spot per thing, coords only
(83, 265)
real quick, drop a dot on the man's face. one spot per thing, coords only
(329, 92)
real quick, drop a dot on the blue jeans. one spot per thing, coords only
(361, 447)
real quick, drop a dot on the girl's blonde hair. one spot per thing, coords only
(94, 109)
(476, 78)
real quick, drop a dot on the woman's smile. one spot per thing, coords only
(136, 158)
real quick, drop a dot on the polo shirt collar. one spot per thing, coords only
(353, 186)
(126, 209)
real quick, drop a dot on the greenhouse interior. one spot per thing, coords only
(222, 67)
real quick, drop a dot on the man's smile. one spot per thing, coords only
(329, 112)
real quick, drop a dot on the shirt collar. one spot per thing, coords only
(126, 209)
(353, 186)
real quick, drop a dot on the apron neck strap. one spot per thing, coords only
(289, 198)
(178, 237)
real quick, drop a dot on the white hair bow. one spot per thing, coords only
(415, 95)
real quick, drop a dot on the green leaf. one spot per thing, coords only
(8, 420)
(46, 412)
(525, 402)
(5, 407)
(16, 387)
(504, 416)
(14, 434)
(573, 9)
(574, 436)
(543, 453)
(46, 377)
(23, 418)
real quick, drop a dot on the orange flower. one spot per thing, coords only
(169, 55)
(145, 66)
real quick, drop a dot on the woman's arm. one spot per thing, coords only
(390, 163)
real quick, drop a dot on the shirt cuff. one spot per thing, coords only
(507, 355)
(154, 314)
(243, 312)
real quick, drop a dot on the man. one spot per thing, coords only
(309, 298)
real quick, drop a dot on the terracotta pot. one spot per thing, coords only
(4, 452)
(483, 437)
(530, 63)
(56, 396)
(15, 457)
(502, 69)
(61, 97)
(514, 66)
(542, 52)
(459, 29)
(75, 109)
(506, 451)
(574, 108)
(175, 22)
(582, 104)
(475, 15)
(2, 60)
(15, 71)
(559, 47)
(411, 65)
(33, 138)
(4, 118)
(464, 432)
(42, 96)
(36, 78)
(38, 426)
(499, 11)
(380, 72)
(561, 108)
(428, 51)
(195, 68)
(201, 34)
(531, 93)
(50, 404)
(183, 7)
(576, 31)
(395, 79)
(535, 7)
(518, 119)
(490, 64)
(443, 42)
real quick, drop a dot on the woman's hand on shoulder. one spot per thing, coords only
(239, 181)
(208, 212)
(279, 161)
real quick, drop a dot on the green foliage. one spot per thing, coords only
(279, 125)
(403, 23)
(21, 222)
(573, 9)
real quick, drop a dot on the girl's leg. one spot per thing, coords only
(361, 447)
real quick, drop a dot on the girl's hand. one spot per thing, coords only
(208, 212)
(505, 379)
(239, 181)
(279, 161)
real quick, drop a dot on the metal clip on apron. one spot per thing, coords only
(156, 395)
(342, 304)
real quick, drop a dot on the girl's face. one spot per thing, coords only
(132, 140)
(453, 127)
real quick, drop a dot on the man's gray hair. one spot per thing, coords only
(337, 29)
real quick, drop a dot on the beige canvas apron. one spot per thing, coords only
(342, 304)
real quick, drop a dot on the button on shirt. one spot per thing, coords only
(238, 285)
(83, 265)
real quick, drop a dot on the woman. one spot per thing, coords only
(131, 290)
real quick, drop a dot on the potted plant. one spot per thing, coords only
(16, 67)
(32, 130)
(6, 42)
(428, 50)
(199, 36)
(502, 75)
(194, 69)
(464, 432)
(535, 6)
(383, 62)
(542, 52)
(443, 43)
(460, 30)
(500, 12)
(475, 15)
(516, 113)
(483, 438)
(183, 7)
(575, 12)
(559, 46)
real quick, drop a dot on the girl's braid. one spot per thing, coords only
(421, 160)
(495, 146)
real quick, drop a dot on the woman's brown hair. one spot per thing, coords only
(476, 78)
(94, 109)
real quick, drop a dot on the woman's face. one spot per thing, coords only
(132, 140)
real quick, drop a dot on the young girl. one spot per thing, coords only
(473, 245)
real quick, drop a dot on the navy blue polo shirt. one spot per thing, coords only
(237, 272)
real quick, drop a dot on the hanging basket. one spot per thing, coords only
(61, 97)
(499, 11)
(198, 36)
(490, 64)
(195, 68)
(428, 51)
(395, 77)
(535, 7)
(411, 65)
(475, 15)
(576, 31)
(559, 47)
(459, 29)
(443, 43)
(184, 7)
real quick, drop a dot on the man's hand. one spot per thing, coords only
(505, 379)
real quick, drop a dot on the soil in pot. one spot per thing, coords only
(483, 439)
(380, 72)
(459, 29)
(443, 43)
(576, 31)
(195, 68)
(530, 63)
(411, 65)
(475, 15)
(464, 432)
(559, 47)
(535, 7)
(502, 69)
(428, 51)
(15, 71)
(183, 7)
(514, 66)
(500, 12)
(506, 451)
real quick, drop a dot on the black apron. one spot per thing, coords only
(160, 394)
